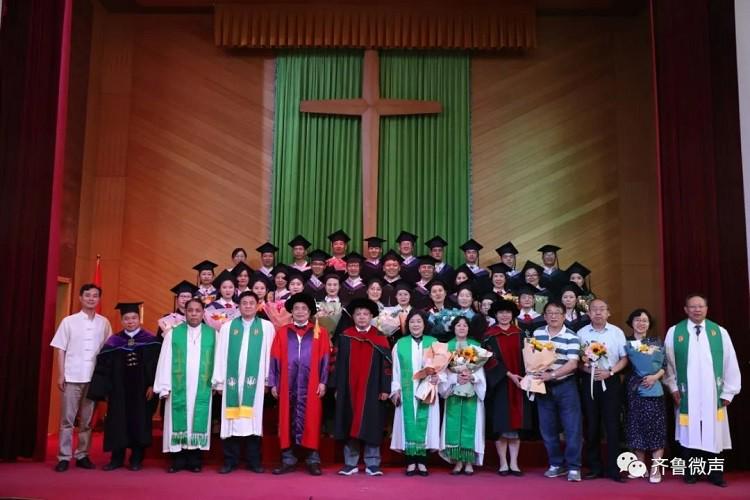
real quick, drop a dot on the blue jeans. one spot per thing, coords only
(561, 405)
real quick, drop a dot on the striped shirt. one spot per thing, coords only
(567, 347)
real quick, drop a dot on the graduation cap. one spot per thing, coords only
(280, 268)
(426, 260)
(403, 285)
(463, 268)
(339, 235)
(222, 277)
(375, 242)
(506, 248)
(499, 268)
(299, 240)
(572, 287)
(527, 290)
(362, 303)
(303, 297)
(436, 241)
(258, 276)
(466, 285)
(548, 248)
(236, 270)
(503, 305)
(129, 307)
(578, 268)
(391, 255)
(471, 244)
(406, 236)
(205, 265)
(354, 257)
(437, 282)
(267, 247)
(318, 255)
(489, 296)
(532, 265)
(332, 274)
(184, 287)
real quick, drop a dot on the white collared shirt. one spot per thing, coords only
(133, 333)
(81, 338)
(611, 336)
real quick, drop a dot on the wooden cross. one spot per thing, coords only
(370, 107)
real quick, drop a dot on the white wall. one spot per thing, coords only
(742, 28)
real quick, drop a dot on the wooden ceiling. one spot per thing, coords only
(544, 7)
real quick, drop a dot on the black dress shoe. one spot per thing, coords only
(314, 469)
(283, 469)
(112, 466)
(592, 475)
(258, 469)
(62, 466)
(718, 482)
(423, 473)
(136, 466)
(618, 479)
(503, 473)
(690, 479)
(172, 469)
(227, 468)
(195, 468)
(411, 472)
(85, 463)
(517, 473)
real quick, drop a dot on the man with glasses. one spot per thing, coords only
(603, 399)
(703, 377)
(561, 402)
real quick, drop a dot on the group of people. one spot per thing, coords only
(355, 340)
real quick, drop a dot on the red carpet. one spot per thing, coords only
(38, 480)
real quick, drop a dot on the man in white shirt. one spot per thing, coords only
(77, 341)
(700, 352)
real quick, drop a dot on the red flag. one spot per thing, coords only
(98, 279)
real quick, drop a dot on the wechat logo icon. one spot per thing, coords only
(628, 462)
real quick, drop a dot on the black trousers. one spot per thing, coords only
(693, 455)
(187, 459)
(415, 459)
(136, 455)
(603, 411)
(232, 450)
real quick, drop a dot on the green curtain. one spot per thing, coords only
(424, 178)
(317, 181)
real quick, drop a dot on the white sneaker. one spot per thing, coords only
(574, 475)
(555, 471)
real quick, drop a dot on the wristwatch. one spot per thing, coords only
(554, 374)
(611, 373)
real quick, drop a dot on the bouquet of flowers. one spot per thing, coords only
(436, 359)
(277, 313)
(467, 358)
(215, 317)
(538, 356)
(329, 314)
(646, 360)
(440, 322)
(171, 320)
(387, 321)
(595, 355)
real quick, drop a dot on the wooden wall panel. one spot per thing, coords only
(563, 153)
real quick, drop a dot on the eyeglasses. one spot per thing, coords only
(553, 314)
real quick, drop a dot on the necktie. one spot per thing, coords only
(697, 330)
(527, 318)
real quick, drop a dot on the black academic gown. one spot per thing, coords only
(410, 272)
(554, 281)
(318, 291)
(123, 372)
(360, 413)
(528, 327)
(420, 298)
(447, 274)
(388, 298)
(370, 270)
(579, 322)
(347, 293)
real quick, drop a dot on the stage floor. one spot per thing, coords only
(26, 479)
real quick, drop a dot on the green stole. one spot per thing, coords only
(233, 408)
(415, 426)
(681, 342)
(461, 420)
(199, 437)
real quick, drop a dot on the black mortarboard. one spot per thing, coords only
(406, 236)
(280, 268)
(318, 255)
(527, 290)
(471, 244)
(295, 273)
(578, 268)
(354, 257)
(436, 241)
(267, 247)
(548, 248)
(222, 277)
(506, 248)
(362, 303)
(466, 285)
(463, 268)
(426, 260)
(498, 268)
(205, 265)
(184, 287)
(437, 282)
(529, 264)
(375, 242)
(303, 297)
(391, 255)
(339, 235)
(572, 287)
(332, 274)
(403, 285)
(503, 305)
(258, 276)
(129, 307)
(489, 296)
(299, 240)
(236, 270)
